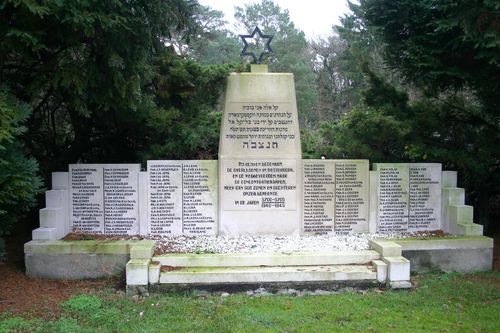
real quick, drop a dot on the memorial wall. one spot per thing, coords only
(182, 197)
(259, 185)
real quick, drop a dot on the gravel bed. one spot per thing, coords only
(268, 244)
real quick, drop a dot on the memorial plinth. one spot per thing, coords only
(260, 167)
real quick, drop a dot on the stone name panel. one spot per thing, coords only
(104, 198)
(318, 215)
(351, 196)
(336, 196)
(408, 196)
(255, 185)
(424, 196)
(182, 197)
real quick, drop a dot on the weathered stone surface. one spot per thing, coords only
(267, 259)
(74, 266)
(465, 260)
(268, 274)
(138, 272)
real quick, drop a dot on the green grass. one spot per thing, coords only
(440, 303)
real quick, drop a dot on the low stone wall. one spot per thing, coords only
(457, 254)
(87, 259)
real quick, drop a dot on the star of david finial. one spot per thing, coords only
(261, 42)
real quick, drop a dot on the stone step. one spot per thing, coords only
(266, 259)
(272, 274)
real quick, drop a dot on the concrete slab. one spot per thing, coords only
(449, 179)
(470, 229)
(386, 248)
(381, 269)
(154, 272)
(450, 260)
(398, 268)
(214, 275)
(142, 250)
(267, 259)
(44, 234)
(459, 242)
(400, 284)
(137, 272)
(74, 266)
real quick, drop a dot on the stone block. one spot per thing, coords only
(44, 234)
(112, 247)
(400, 284)
(470, 229)
(267, 259)
(381, 269)
(398, 268)
(142, 251)
(251, 275)
(462, 260)
(449, 179)
(450, 196)
(137, 272)
(60, 180)
(386, 248)
(74, 266)
(453, 196)
(53, 218)
(459, 214)
(59, 199)
(154, 272)
(47, 247)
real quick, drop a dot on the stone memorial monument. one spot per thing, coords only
(259, 186)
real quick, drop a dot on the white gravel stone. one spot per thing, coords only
(268, 244)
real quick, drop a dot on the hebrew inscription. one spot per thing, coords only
(260, 128)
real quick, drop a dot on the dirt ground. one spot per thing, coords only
(20, 294)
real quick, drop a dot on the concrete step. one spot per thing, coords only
(267, 259)
(272, 274)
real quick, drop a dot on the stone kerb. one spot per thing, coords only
(260, 165)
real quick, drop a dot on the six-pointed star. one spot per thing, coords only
(267, 47)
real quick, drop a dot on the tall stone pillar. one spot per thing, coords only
(260, 168)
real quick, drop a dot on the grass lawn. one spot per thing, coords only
(439, 303)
